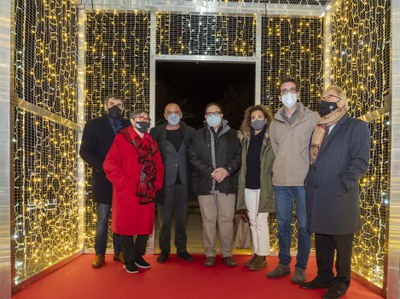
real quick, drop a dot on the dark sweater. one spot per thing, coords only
(253, 160)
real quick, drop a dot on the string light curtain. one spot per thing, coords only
(118, 61)
(303, 2)
(45, 152)
(205, 35)
(360, 64)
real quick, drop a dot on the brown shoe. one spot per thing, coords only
(299, 276)
(248, 263)
(229, 261)
(119, 257)
(98, 261)
(210, 261)
(259, 263)
(279, 271)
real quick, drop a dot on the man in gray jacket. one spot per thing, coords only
(290, 134)
(173, 139)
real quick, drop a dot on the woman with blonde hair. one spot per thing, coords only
(255, 195)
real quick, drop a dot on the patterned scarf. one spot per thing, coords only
(322, 129)
(145, 149)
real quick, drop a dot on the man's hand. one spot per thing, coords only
(219, 174)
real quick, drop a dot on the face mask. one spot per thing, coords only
(258, 124)
(115, 112)
(289, 99)
(142, 126)
(327, 107)
(173, 119)
(213, 120)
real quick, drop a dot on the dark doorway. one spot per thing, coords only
(193, 85)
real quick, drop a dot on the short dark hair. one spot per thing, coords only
(113, 96)
(286, 80)
(213, 104)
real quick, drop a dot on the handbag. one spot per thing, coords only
(242, 233)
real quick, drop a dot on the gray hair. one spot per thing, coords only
(339, 91)
(137, 112)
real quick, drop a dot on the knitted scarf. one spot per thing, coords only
(145, 188)
(322, 129)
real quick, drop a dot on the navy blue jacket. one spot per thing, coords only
(98, 135)
(332, 183)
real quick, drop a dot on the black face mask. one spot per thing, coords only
(327, 107)
(142, 126)
(115, 112)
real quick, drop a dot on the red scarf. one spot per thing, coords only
(145, 148)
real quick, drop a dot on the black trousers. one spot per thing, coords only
(175, 204)
(325, 246)
(131, 248)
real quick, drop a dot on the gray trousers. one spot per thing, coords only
(218, 208)
(175, 204)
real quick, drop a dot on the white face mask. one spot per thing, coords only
(289, 100)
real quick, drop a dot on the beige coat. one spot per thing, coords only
(291, 143)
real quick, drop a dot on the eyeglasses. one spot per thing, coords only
(216, 113)
(286, 91)
(143, 118)
(330, 96)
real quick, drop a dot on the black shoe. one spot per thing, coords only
(162, 258)
(141, 263)
(316, 283)
(130, 267)
(334, 293)
(185, 256)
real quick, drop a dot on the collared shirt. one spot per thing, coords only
(116, 124)
(292, 117)
(330, 128)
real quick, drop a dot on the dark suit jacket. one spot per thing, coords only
(98, 135)
(332, 183)
(159, 135)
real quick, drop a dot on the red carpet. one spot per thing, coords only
(175, 279)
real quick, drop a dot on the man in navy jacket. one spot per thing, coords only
(98, 135)
(339, 158)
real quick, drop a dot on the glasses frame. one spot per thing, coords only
(286, 91)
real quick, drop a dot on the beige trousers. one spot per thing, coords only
(218, 208)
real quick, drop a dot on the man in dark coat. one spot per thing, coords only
(215, 155)
(174, 138)
(98, 135)
(339, 158)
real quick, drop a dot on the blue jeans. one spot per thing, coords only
(100, 242)
(284, 210)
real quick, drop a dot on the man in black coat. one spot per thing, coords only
(98, 135)
(215, 155)
(339, 157)
(173, 139)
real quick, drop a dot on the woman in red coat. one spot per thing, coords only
(134, 167)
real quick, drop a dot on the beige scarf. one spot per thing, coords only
(322, 129)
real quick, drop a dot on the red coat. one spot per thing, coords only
(122, 168)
